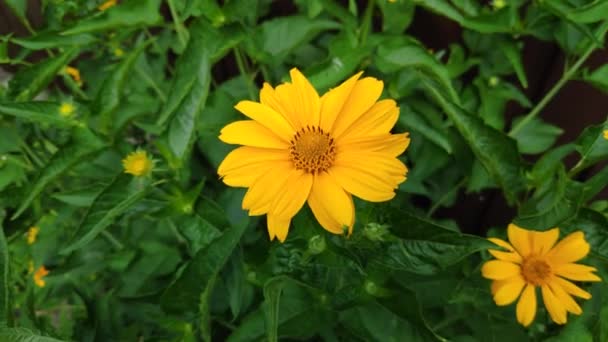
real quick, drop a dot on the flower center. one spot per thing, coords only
(535, 270)
(312, 150)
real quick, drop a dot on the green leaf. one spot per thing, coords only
(593, 12)
(513, 54)
(592, 146)
(122, 193)
(49, 40)
(495, 150)
(598, 78)
(84, 143)
(392, 58)
(110, 93)
(418, 123)
(424, 247)
(4, 274)
(544, 169)
(37, 112)
(23, 335)
(272, 296)
(28, 82)
(19, 8)
(594, 225)
(130, 13)
(183, 295)
(535, 137)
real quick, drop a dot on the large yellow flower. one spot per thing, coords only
(534, 260)
(301, 148)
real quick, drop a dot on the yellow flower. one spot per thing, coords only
(31, 235)
(75, 73)
(118, 52)
(301, 148)
(138, 164)
(534, 260)
(106, 5)
(499, 4)
(606, 134)
(39, 276)
(66, 109)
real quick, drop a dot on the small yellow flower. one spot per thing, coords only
(32, 233)
(39, 276)
(66, 109)
(606, 134)
(118, 52)
(533, 259)
(300, 148)
(75, 73)
(498, 4)
(106, 5)
(138, 164)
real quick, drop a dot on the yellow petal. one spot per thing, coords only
(330, 204)
(570, 249)
(571, 288)
(498, 269)
(377, 120)
(243, 165)
(564, 297)
(388, 144)
(251, 133)
(508, 292)
(520, 239)
(526, 307)
(333, 101)
(293, 195)
(268, 118)
(260, 196)
(554, 306)
(307, 102)
(576, 272)
(542, 242)
(278, 226)
(511, 256)
(363, 96)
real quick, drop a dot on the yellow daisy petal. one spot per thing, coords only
(508, 292)
(251, 133)
(243, 165)
(278, 100)
(564, 298)
(498, 269)
(554, 306)
(364, 95)
(307, 101)
(520, 239)
(331, 205)
(571, 288)
(542, 242)
(278, 226)
(526, 307)
(576, 272)
(294, 194)
(512, 256)
(377, 120)
(267, 117)
(333, 101)
(570, 249)
(389, 144)
(261, 194)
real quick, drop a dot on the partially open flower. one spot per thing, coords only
(138, 163)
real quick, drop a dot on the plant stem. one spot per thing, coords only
(445, 197)
(367, 22)
(240, 62)
(555, 89)
(179, 26)
(119, 246)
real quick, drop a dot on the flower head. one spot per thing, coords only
(31, 235)
(39, 275)
(66, 109)
(606, 134)
(74, 73)
(137, 163)
(533, 259)
(301, 148)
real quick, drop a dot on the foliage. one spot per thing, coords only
(173, 257)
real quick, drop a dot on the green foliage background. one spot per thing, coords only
(173, 257)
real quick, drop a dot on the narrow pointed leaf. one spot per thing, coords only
(37, 112)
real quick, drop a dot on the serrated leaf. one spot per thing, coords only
(83, 144)
(122, 193)
(130, 13)
(28, 82)
(424, 247)
(23, 335)
(37, 112)
(183, 295)
(495, 150)
(535, 137)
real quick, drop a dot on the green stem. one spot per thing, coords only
(555, 89)
(33, 156)
(367, 22)
(179, 26)
(151, 83)
(445, 196)
(240, 62)
(119, 246)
